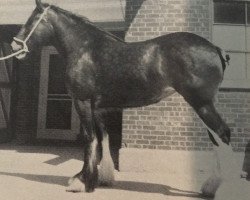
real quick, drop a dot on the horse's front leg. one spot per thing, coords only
(106, 169)
(89, 174)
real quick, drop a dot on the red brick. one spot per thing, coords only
(142, 142)
(156, 142)
(164, 147)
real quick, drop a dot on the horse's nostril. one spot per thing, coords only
(15, 47)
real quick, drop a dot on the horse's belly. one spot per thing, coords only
(135, 98)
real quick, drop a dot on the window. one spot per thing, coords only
(59, 105)
(229, 12)
(231, 32)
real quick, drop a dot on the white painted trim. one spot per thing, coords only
(211, 19)
(244, 84)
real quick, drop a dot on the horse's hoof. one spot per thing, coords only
(210, 186)
(75, 185)
(243, 174)
(105, 183)
(90, 186)
(106, 174)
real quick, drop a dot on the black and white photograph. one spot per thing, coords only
(125, 99)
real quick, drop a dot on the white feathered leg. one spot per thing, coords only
(106, 169)
(225, 183)
(211, 185)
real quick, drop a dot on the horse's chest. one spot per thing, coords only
(80, 79)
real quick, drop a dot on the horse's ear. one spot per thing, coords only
(39, 5)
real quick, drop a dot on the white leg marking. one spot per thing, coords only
(106, 169)
(226, 170)
(75, 185)
(211, 185)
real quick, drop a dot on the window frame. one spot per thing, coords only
(42, 131)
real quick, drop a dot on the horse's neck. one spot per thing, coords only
(68, 41)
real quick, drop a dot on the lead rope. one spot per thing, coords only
(25, 47)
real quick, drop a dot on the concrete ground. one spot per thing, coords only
(42, 172)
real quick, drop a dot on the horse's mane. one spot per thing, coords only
(82, 19)
(76, 17)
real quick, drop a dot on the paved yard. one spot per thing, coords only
(42, 172)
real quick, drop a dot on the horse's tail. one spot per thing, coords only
(223, 57)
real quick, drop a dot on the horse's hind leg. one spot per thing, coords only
(89, 173)
(215, 124)
(212, 119)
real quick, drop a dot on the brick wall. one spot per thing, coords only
(151, 18)
(172, 124)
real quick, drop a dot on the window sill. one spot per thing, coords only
(235, 85)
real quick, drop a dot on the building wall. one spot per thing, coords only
(152, 18)
(172, 124)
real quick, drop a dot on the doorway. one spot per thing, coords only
(57, 117)
(6, 84)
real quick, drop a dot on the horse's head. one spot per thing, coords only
(36, 32)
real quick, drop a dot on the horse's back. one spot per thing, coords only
(141, 73)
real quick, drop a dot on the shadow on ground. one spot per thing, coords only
(48, 179)
(154, 188)
(133, 186)
(63, 151)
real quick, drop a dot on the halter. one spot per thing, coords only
(25, 48)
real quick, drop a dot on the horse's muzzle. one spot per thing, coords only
(17, 47)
